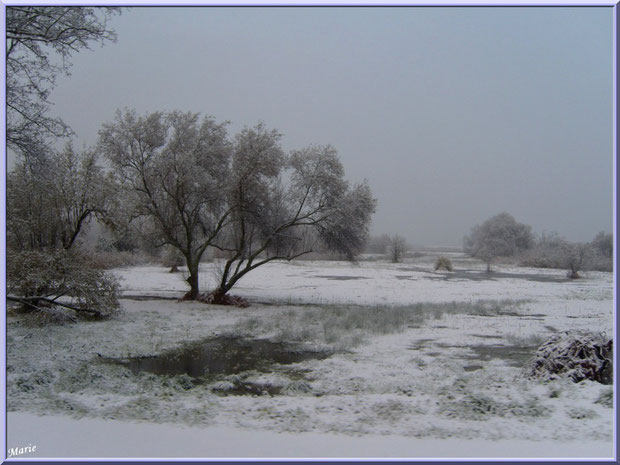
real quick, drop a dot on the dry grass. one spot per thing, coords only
(343, 327)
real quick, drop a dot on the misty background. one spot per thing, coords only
(453, 114)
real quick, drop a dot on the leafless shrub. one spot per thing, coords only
(553, 251)
(64, 278)
(397, 246)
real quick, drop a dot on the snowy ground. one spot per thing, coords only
(434, 375)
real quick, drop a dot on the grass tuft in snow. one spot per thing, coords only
(532, 340)
(606, 398)
(476, 406)
(581, 413)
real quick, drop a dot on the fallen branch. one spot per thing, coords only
(31, 302)
(40, 309)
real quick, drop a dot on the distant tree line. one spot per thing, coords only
(502, 237)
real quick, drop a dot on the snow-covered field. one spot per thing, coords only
(425, 364)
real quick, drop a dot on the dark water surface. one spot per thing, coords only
(220, 356)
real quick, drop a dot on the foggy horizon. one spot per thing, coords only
(452, 114)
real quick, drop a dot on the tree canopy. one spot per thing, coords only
(499, 236)
(287, 206)
(195, 189)
(51, 198)
(39, 43)
(173, 170)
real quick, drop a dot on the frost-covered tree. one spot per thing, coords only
(575, 257)
(192, 188)
(554, 251)
(397, 246)
(49, 201)
(499, 236)
(547, 252)
(39, 43)
(174, 170)
(52, 197)
(286, 206)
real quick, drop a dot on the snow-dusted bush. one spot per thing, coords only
(599, 262)
(576, 258)
(548, 252)
(43, 279)
(576, 355)
(443, 263)
(397, 246)
(553, 251)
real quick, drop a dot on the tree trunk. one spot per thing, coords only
(489, 266)
(192, 280)
(227, 284)
(219, 294)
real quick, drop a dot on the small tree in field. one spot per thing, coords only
(285, 206)
(575, 257)
(499, 236)
(397, 246)
(174, 172)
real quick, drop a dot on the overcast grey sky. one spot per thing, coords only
(452, 114)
